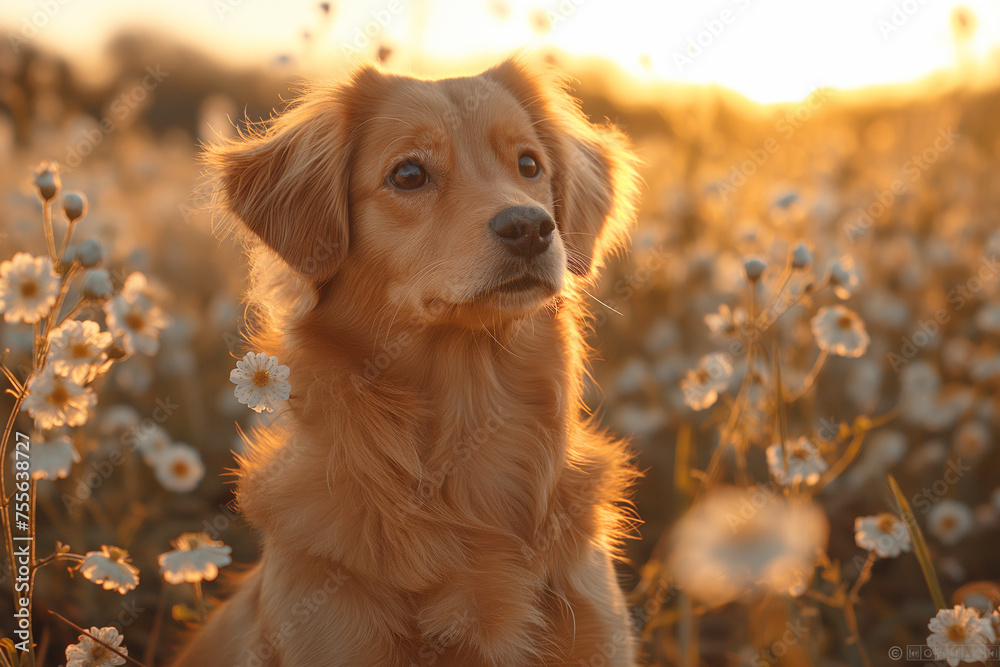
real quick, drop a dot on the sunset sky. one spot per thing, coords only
(768, 51)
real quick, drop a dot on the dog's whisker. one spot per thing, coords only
(600, 302)
(388, 304)
(416, 285)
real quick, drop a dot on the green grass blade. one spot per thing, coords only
(919, 545)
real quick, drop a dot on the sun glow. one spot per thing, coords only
(767, 51)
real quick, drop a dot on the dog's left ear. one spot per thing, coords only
(288, 183)
(594, 180)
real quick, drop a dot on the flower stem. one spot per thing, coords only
(49, 235)
(107, 646)
(199, 599)
(8, 536)
(810, 379)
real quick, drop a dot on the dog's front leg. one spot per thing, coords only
(316, 612)
(592, 612)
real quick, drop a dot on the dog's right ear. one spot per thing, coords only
(288, 183)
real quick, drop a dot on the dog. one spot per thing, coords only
(435, 492)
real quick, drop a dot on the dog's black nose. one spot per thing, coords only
(525, 230)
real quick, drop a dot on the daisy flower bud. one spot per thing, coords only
(786, 199)
(97, 284)
(754, 266)
(90, 253)
(844, 277)
(74, 205)
(801, 256)
(47, 180)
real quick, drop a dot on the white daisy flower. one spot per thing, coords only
(52, 458)
(119, 419)
(260, 381)
(89, 653)
(844, 276)
(110, 567)
(805, 464)
(28, 288)
(959, 635)
(77, 349)
(988, 318)
(153, 442)
(972, 440)
(884, 533)
(736, 543)
(840, 331)
(56, 401)
(195, 558)
(639, 421)
(991, 625)
(950, 521)
(702, 385)
(179, 468)
(634, 376)
(726, 321)
(134, 317)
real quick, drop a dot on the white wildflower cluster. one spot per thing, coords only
(78, 327)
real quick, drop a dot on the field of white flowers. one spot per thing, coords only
(803, 345)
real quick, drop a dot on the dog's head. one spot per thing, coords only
(468, 196)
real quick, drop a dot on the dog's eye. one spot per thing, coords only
(527, 166)
(408, 176)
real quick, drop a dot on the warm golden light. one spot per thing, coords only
(767, 51)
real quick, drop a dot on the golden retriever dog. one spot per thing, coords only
(435, 492)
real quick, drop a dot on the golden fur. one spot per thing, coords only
(435, 493)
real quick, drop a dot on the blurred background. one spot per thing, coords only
(869, 130)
